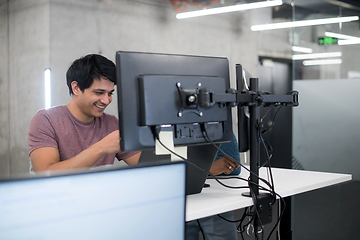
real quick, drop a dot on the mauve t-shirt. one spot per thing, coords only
(57, 127)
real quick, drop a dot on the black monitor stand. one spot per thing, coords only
(264, 201)
(249, 132)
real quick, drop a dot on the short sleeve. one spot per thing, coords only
(40, 132)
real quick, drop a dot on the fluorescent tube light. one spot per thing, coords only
(47, 88)
(349, 41)
(322, 62)
(301, 49)
(233, 8)
(338, 35)
(316, 55)
(303, 23)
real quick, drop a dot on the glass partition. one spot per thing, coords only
(325, 132)
(324, 51)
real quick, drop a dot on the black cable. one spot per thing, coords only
(242, 220)
(281, 214)
(243, 228)
(271, 186)
(215, 177)
(189, 161)
(279, 218)
(254, 197)
(209, 140)
(242, 236)
(251, 190)
(269, 168)
(234, 221)
(257, 215)
(273, 122)
(267, 113)
(267, 154)
(156, 130)
(268, 151)
(274, 194)
(201, 230)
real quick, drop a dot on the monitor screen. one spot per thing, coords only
(171, 90)
(127, 203)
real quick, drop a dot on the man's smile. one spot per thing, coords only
(98, 106)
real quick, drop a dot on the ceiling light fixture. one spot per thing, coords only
(233, 8)
(47, 75)
(316, 55)
(322, 62)
(301, 49)
(340, 36)
(349, 41)
(303, 23)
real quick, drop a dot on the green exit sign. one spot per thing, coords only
(327, 41)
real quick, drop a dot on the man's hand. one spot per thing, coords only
(223, 165)
(110, 143)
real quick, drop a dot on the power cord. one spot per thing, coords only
(261, 188)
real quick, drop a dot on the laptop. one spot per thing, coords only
(201, 155)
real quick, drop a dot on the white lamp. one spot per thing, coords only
(322, 62)
(301, 49)
(303, 23)
(47, 88)
(349, 41)
(233, 8)
(338, 35)
(316, 55)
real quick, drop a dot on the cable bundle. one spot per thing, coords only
(253, 211)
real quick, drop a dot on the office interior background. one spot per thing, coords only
(36, 35)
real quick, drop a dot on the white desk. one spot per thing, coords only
(218, 199)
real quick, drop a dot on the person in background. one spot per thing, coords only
(214, 227)
(79, 134)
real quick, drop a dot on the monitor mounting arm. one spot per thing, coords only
(253, 99)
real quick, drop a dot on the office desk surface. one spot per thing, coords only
(218, 199)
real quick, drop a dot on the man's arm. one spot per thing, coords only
(47, 158)
(133, 160)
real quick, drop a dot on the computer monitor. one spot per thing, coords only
(165, 90)
(124, 203)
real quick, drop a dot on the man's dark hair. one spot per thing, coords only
(85, 69)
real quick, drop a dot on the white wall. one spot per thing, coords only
(4, 92)
(28, 58)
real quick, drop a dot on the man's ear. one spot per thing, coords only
(75, 88)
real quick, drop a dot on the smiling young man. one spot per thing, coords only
(79, 134)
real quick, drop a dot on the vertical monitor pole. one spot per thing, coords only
(249, 132)
(248, 128)
(254, 110)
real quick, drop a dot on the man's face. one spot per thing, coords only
(93, 101)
